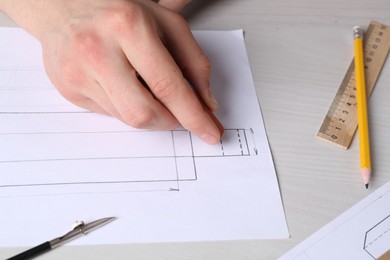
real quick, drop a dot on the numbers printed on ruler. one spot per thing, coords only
(340, 123)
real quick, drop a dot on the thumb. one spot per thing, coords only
(174, 5)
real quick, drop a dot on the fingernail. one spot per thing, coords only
(210, 139)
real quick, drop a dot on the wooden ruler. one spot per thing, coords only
(340, 123)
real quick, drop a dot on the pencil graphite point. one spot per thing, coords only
(366, 173)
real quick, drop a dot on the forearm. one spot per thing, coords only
(38, 16)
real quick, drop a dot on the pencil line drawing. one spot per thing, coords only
(136, 166)
(54, 140)
(377, 238)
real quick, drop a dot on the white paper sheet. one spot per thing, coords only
(362, 232)
(59, 163)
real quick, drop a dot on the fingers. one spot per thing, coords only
(157, 67)
(189, 56)
(84, 102)
(119, 93)
(135, 105)
(90, 105)
(109, 49)
(174, 5)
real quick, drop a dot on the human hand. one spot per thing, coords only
(174, 5)
(94, 49)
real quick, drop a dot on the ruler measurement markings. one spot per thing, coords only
(340, 123)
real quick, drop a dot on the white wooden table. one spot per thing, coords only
(299, 52)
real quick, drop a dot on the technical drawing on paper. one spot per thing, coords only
(175, 158)
(377, 238)
(59, 162)
(362, 232)
(61, 136)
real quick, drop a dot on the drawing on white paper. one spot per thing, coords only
(135, 164)
(176, 161)
(56, 158)
(362, 232)
(377, 238)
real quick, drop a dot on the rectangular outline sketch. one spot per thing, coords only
(183, 163)
(238, 145)
(182, 159)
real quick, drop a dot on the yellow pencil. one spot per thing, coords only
(364, 142)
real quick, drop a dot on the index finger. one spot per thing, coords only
(157, 67)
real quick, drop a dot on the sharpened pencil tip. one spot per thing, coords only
(366, 185)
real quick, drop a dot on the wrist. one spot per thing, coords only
(35, 16)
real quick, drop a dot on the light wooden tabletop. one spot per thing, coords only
(299, 52)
